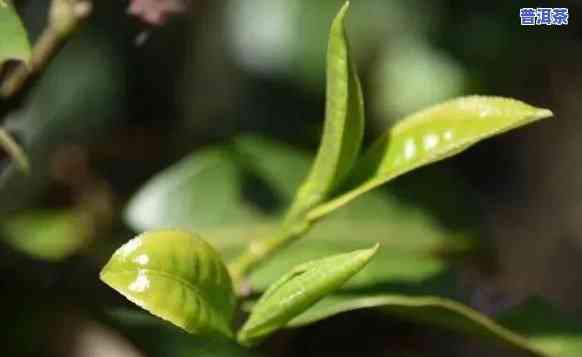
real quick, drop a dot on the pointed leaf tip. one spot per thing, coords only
(299, 289)
(431, 135)
(343, 127)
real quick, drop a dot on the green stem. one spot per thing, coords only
(64, 18)
(14, 151)
(261, 250)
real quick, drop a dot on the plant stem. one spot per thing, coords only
(14, 151)
(65, 16)
(260, 251)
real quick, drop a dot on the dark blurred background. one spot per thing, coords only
(124, 100)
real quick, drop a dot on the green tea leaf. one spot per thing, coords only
(50, 235)
(442, 312)
(344, 123)
(201, 191)
(296, 291)
(176, 276)
(13, 38)
(432, 135)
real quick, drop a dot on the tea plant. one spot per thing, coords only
(300, 261)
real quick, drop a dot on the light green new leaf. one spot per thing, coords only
(434, 134)
(201, 191)
(432, 310)
(13, 38)
(296, 291)
(176, 276)
(344, 123)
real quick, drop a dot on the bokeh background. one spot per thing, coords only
(124, 100)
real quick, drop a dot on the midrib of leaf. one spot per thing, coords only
(162, 274)
(159, 273)
(343, 126)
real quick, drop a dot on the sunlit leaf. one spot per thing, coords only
(50, 235)
(13, 38)
(344, 123)
(432, 310)
(432, 135)
(297, 290)
(176, 276)
(201, 191)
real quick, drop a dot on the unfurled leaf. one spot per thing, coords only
(296, 291)
(432, 135)
(13, 38)
(432, 310)
(344, 123)
(176, 276)
(201, 191)
(49, 235)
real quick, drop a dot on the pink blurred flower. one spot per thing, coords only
(156, 12)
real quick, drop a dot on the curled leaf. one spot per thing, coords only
(344, 122)
(176, 276)
(297, 290)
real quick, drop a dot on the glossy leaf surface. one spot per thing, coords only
(412, 236)
(49, 235)
(176, 276)
(344, 122)
(432, 310)
(13, 38)
(297, 290)
(432, 135)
